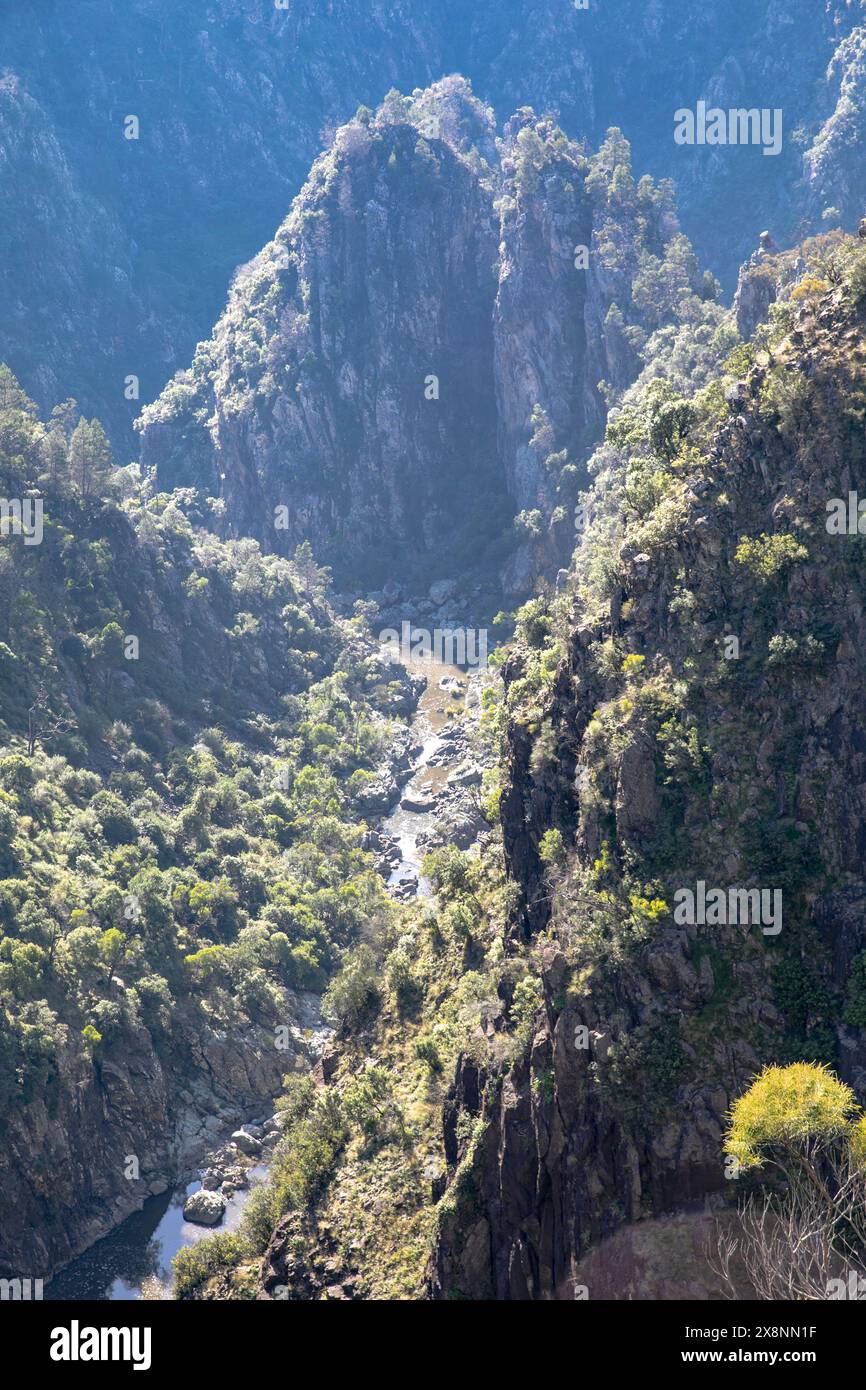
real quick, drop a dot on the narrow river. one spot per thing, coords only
(124, 1264)
(443, 699)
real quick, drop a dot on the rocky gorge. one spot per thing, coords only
(200, 1151)
(577, 1144)
(148, 1133)
(350, 376)
(137, 238)
(486, 592)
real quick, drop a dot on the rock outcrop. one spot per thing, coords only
(352, 375)
(103, 1139)
(708, 761)
(120, 251)
(417, 355)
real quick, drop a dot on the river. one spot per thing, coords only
(142, 1247)
(124, 1264)
(436, 711)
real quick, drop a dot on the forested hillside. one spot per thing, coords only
(185, 730)
(432, 651)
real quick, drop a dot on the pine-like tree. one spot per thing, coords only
(90, 461)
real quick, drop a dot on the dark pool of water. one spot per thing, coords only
(141, 1247)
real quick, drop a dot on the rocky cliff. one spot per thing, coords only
(702, 727)
(352, 376)
(105, 1136)
(232, 101)
(420, 352)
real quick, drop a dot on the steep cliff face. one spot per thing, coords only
(65, 263)
(396, 375)
(353, 371)
(540, 328)
(702, 728)
(232, 101)
(103, 1137)
(834, 161)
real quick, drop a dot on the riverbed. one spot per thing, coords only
(126, 1262)
(137, 1256)
(441, 703)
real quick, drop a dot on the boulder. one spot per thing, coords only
(378, 795)
(204, 1208)
(460, 824)
(246, 1143)
(466, 775)
(417, 801)
(442, 590)
(328, 1063)
(406, 889)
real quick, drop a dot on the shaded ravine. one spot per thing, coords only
(128, 1262)
(142, 1247)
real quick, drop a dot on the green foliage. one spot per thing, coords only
(175, 827)
(786, 1106)
(447, 869)
(528, 994)
(306, 1155)
(544, 1085)
(427, 1051)
(354, 990)
(783, 651)
(458, 922)
(195, 1264)
(669, 425)
(90, 461)
(855, 1004)
(644, 1069)
(767, 557)
(551, 849)
(633, 664)
(683, 757)
(533, 623)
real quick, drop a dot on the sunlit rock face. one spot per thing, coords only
(417, 357)
(139, 237)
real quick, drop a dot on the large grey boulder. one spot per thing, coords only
(378, 795)
(417, 801)
(246, 1143)
(204, 1208)
(442, 590)
(466, 775)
